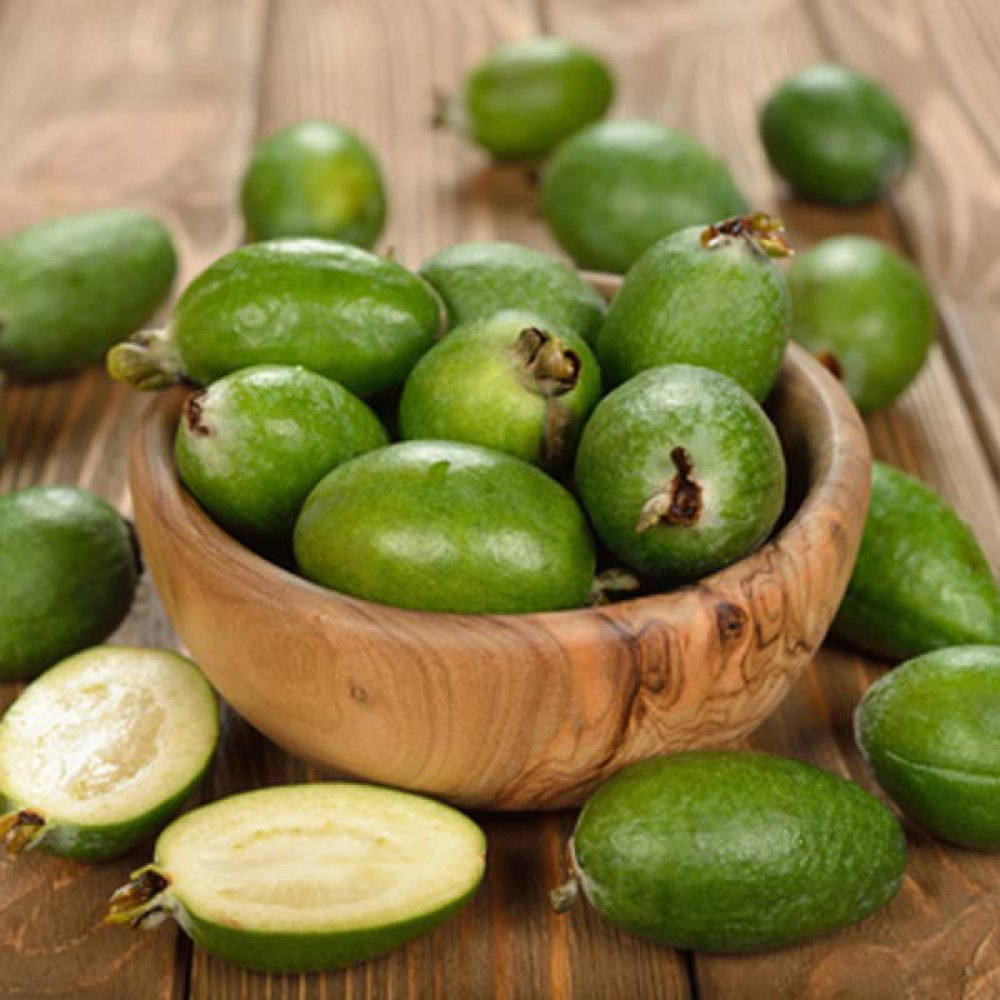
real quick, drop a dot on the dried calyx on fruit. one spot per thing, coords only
(762, 232)
(679, 502)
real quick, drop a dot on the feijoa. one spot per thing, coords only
(615, 188)
(101, 751)
(304, 877)
(526, 96)
(864, 312)
(443, 526)
(510, 383)
(930, 731)
(314, 178)
(252, 445)
(681, 472)
(835, 135)
(69, 569)
(476, 280)
(921, 580)
(708, 296)
(71, 287)
(335, 309)
(724, 850)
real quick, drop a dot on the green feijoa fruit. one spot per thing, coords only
(314, 178)
(835, 135)
(98, 754)
(526, 96)
(444, 526)
(510, 383)
(252, 445)
(921, 580)
(298, 878)
(72, 287)
(612, 190)
(703, 296)
(681, 472)
(69, 568)
(476, 280)
(865, 313)
(335, 309)
(724, 850)
(930, 731)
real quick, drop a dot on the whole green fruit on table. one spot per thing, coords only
(930, 731)
(864, 312)
(332, 308)
(921, 580)
(681, 472)
(253, 444)
(732, 851)
(314, 178)
(72, 287)
(509, 382)
(707, 296)
(442, 526)
(615, 188)
(526, 96)
(69, 569)
(835, 135)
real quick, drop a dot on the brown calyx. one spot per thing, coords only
(549, 368)
(679, 503)
(194, 414)
(20, 830)
(831, 363)
(762, 232)
(138, 899)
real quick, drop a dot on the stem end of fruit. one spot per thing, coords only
(762, 232)
(139, 902)
(679, 502)
(21, 830)
(564, 896)
(147, 361)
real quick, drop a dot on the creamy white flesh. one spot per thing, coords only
(324, 857)
(107, 735)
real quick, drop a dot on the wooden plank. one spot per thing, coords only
(102, 102)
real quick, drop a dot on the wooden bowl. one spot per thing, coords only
(515, 711)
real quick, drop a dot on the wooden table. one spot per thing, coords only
(104, 101)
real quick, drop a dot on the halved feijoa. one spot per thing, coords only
(102, 750)
(303, 877)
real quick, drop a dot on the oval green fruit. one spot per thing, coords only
(314, 178)
(299, 878)
(332, 308)
(835, 135)
(476, 280)
(864, 312)
(252, 445)
(615, 188)
(72, 287)
(510, 383)
(703, 296)
(526, 96)
(681, 472)
(733, 851)
(101, 751)
(442, 526)
(69, 569)
(930, 731)
(921, 580)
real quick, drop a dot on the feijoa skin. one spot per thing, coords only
(476, 280)
(921, 580)
(443, 526)
(864, 312)
(511, 383)
(332, 308)
(930, 731)
(615, 188)
(681, 472)
(527, 96)
(69, 571)
(733, 851)
(706, 296)
(314, 178)
(71, 287)
(835, 135)
(253, 444)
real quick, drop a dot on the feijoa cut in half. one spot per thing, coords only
(101, 751)
(305, 877)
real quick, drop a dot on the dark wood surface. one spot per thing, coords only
(159, 103)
